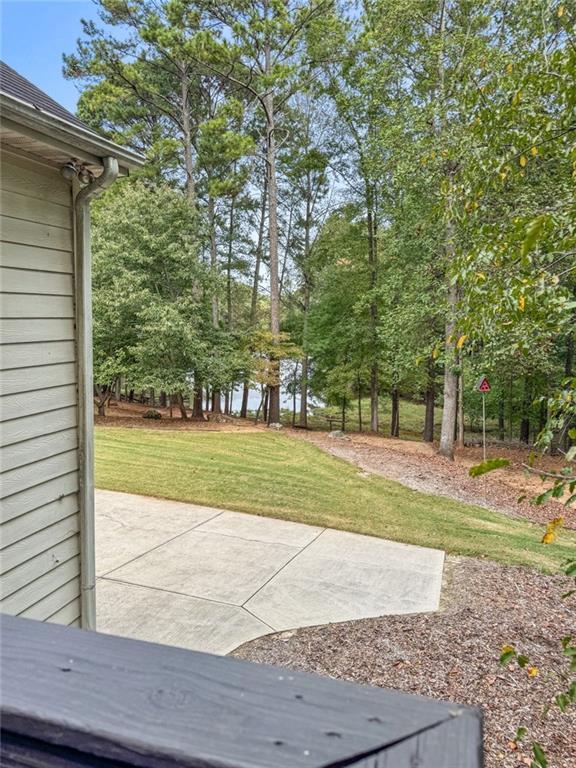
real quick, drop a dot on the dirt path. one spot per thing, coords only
(417, 466)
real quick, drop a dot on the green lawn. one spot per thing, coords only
(278, 476)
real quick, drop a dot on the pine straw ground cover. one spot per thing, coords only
(453, 654)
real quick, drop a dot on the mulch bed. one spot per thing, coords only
(453, 654)
(416, 465)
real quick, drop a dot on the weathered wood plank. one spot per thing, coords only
(38, 377)
(28, 178)
(28, 355)
(95, 698)
(38, 541)
(38, 566)
(31, 475)
(22, 206)
(22, 331)
(38, 496)
(20, 527)
(41, 588)
(29, 257)
(14, 280)
(30, 233)
(23, 404)
(14, 305)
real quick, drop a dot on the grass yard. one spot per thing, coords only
(277, 476)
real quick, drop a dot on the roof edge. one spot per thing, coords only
(52, 126)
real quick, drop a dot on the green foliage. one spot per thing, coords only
(488, 466)
(152, 414)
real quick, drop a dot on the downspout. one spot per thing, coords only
(83, 279)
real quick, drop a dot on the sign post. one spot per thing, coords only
(483, 386)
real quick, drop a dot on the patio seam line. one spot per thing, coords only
(181, 594)
(261, 620)
(188, 530)
(284, 566)
(257, 541)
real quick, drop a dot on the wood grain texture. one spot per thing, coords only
(14, 280)
(20, 527)
(38, 496)
(124, 702)
(38, 566)
(29, 257)
(30, 233)
(39, 589)
(42, 353)
(22, 206)
(33, 180)
(38, 377)
(38, 541)
(31, 475)
(22, 331)
(32, 306)
(23, 404)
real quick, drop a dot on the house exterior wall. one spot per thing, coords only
(39, 461)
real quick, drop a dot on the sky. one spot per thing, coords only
(35, 34)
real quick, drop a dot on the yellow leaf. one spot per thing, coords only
(503, 175)
(480, 276)
(434, 354)
(509, 69)
(561, 10)
(521, 303)
(461, 341)
(523, 160)
(548, 538)
(507, 648)
(534, 151)
(532, 671)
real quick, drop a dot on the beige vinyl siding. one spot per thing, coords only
(39, 466)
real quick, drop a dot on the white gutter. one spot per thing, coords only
(83, 278)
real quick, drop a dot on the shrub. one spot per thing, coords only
(152, 414)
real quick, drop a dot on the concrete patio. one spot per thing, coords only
(210, 579)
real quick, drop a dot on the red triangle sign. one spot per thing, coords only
(483, 385)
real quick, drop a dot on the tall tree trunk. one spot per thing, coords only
(460, 434)
(359, 404)
(501, 423)
(244, 404)
(343, 414)
(373, 265)
(294, 391)
(395, 416)
(430, 398)
(197, 403)
(216, 393)
(568, 372)
(274, 388)
(265, 407)
(163, 399)
(450, 406)
(216, 400)
(450, 381)
(187, 135)
(255, 284)
(179, 400)
(229, 264)
(227, 402)
(526, 404)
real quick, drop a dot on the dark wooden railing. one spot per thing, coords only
(76, 698)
